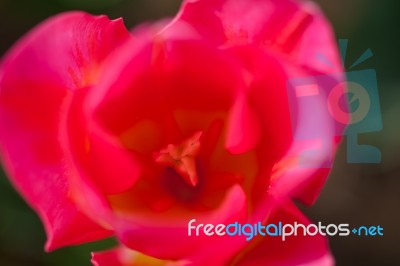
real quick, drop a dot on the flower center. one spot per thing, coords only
(182, 158)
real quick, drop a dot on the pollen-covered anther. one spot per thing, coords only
(182, 158)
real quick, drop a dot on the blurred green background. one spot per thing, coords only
(359, 194)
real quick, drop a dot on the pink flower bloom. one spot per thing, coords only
(110, 133)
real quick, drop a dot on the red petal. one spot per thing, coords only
(173, 241)
(61, 55)
(122, 256)
(244, 130)
(296, 29)
(107, 258)
(95, 154)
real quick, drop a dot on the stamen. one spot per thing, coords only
(182, 158)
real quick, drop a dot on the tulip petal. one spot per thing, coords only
(295, 250)
(302, 171)
(173, 239)
(107, 258)
(296, 29)
(297, 171)
(94, 153)
(44, 69)
(122, 256)
(289, 121)
(244, 131)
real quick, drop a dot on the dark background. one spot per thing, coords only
(358, 194)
